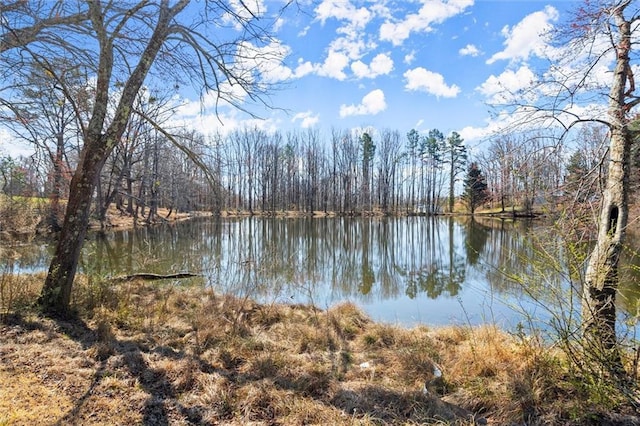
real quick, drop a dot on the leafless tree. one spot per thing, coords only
(389, 165)
(600, 35)
(212, 45)
(42, 117)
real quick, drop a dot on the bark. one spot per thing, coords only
(601, 283)
(154, 277)
(56, 293)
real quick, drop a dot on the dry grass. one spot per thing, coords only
(20, 216)
(142, 353)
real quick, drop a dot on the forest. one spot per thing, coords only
(346, 172)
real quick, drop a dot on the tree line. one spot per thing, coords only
(348, 172)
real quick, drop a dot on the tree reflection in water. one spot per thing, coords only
(413, 269)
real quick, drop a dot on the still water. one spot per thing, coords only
(407, 271)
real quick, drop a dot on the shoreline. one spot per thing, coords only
(141, 352)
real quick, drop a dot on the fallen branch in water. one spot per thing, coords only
(153, 277)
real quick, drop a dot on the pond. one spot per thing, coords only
(407, 271)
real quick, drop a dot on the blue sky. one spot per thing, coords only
(401, 64)
(390, 64)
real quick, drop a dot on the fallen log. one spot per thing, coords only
(152, 277)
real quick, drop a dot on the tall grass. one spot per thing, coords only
(592, 370)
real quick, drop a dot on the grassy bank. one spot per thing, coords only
(153, 353)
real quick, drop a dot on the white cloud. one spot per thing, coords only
(420, 79)
(191, 108)
(13, 147)
(277, 26)
(504, 121)
(469, 50)
(353, 46)
(360, 69)
(343, 10)
(372, 103)
(211, 116)
(380, 9)
(303, 68)
(570, 70)
(501, 88)
(435, 11)
(524, 118)
(307, 119)
(381, 64)
(244, 10)
(225, 122)
(470, 133)
(410, 57)
(267, 60)
(334, 65)
(351, 43)
(527, 37)
(303, 32)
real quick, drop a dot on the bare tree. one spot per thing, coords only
(502, 152)
(601, 279)
(312, 163)
(44, 118)
(121, 44)
(390, 157)
(346, 150)
(600, 35)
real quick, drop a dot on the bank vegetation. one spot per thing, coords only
(173, 352)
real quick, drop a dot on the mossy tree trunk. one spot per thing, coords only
(56, 293)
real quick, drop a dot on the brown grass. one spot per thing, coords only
(20, 216)
(147, 353)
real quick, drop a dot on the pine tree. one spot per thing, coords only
(475, 187)
(456, 158)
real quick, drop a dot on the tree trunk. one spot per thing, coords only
(601, 280)
(601, 283)
(56, 293)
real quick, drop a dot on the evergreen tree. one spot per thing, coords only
(475, 188)
(412, 153)
(455, 157)
(434, 145)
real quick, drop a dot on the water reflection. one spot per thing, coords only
(407, 270)
(24, 257)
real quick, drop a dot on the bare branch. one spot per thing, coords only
(21, 37)
(213, 182)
